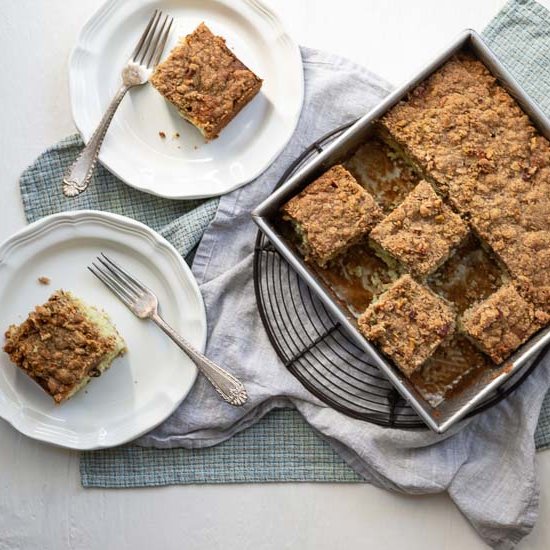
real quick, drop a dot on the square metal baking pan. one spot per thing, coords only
(454, 408)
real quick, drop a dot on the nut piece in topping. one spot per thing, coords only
(421, 233)
(205, 81)
(44, 280)
(63, 344)
(408, 323)
(331, 214)
(501, 323)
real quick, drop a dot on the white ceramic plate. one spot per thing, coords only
(186, 167)
(141, 389)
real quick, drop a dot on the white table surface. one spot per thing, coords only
(42, 505)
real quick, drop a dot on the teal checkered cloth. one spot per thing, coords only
(180, 222)
(281, 447)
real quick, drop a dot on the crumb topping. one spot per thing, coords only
(473, 139)
(57, 345)
(460, 126)
(421, 232)
(502, 322)
(331, 214)
(408, 322)
(205, 81)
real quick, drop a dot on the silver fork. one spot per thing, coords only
(143, 303)
(137, 71)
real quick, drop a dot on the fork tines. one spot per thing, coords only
(125, 286)
(152, 41)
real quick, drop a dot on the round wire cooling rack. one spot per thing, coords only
(318, 351)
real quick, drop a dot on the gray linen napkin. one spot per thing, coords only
(487, 467)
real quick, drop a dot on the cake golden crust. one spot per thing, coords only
(408, 322)
(331, 214)
(205, 81)
(59, 347)
(501, 323)
(421, 232)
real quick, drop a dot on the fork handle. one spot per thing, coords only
(78, 176)
(230, 388)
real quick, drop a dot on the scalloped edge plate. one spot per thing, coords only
(142, 388)
(186, 167)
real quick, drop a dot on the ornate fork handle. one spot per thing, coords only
(78, 176)
(229, 388)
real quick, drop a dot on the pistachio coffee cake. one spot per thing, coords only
(472, 140)
(63, 344)
(205, 81)
(408, 322)
(421, 233)
(331, 214)
(458, 185)
(502, 322)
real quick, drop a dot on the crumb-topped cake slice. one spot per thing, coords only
(63, 344)
(501, 323)
(408, 322)
(205, 81)
(420, 233)
(331, 214)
